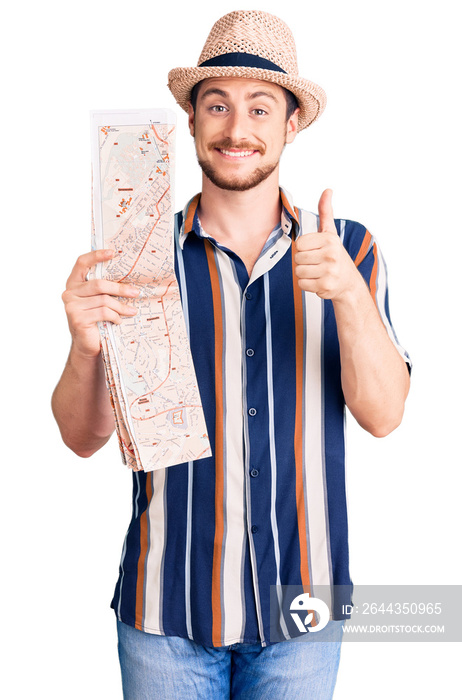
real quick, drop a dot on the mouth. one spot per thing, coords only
(236, 154)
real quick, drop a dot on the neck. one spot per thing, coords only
(241, 221)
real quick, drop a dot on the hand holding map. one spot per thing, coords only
(149, 368)
(90, 300)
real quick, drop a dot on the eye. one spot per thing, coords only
(259, 112)
(217, 108)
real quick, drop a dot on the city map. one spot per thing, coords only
(149, 368)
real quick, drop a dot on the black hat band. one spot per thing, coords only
(245, 60)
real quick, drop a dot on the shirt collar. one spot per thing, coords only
(290, 219)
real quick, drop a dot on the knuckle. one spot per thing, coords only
(98, 286)
(110, 302)
(82, 260)
(72, 310)
(108, 314)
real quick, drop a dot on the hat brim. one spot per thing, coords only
(311, 97)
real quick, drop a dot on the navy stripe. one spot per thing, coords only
(173, 603)
(202, 340)
(334, 446)
(284, 382)
(354, 236)
(257, 430)
(245, 60)
(251, 621)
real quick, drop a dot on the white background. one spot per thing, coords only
(389, 146)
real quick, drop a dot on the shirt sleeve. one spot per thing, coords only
(366, 254)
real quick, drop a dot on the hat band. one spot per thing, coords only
(246, 60)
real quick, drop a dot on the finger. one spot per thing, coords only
(310, 257)
(80, 306)
(96, 287)
(83, 320)
(310, 272)
(86, 261)
(311, 285)
(326, 213)
(96, 315)
(315, 241)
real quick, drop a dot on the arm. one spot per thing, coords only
(375, 379)
(80, 402)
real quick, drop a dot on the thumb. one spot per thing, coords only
(326, 213)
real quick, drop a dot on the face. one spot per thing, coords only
(240, 130)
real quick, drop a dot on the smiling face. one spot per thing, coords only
(240, 129)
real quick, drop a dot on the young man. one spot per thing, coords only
(288, 323)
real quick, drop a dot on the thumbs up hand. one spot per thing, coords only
(323, 266)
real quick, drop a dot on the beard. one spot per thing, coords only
(234, 182)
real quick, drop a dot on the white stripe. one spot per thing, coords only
(153, 573)
(269, 259)
(313, 447)
(233, 456)
(380, 298)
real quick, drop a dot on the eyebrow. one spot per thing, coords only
(261, 93)
(249, 96)
(213, 91)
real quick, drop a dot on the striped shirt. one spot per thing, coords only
(208, 539)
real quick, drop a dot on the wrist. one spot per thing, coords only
(83, 362)
(354, 294)
(84, 353)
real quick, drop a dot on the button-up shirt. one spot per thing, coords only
(209, 539)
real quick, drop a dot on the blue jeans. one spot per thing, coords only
(173, 668)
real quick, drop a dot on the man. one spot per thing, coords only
(288, 321)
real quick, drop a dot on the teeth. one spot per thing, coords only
(236, 154)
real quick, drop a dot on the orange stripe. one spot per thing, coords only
(139, 609)
(188, 223)
(364, 248)
(219, 472)
(297, 215)
(298, 434)
(286, 205)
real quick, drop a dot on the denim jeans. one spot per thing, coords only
(173, 668)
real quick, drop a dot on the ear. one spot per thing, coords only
(292, 125)
(191, 119)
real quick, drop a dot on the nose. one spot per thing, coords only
(236, 127)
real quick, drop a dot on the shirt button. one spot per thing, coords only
(249, 352)
(248, 295)
(254, 472)
(252, 411)
(254, 528)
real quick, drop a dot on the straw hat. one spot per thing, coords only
(251, 44)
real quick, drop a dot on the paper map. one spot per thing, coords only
(149, 368)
